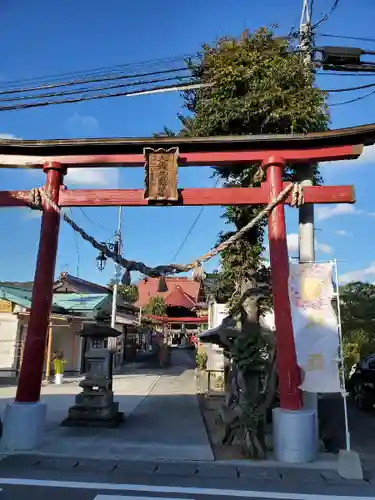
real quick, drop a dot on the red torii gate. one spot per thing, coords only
(273, 152)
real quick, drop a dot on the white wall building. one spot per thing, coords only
(70, 313)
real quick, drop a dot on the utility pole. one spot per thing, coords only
(117, 269)
(306, 211)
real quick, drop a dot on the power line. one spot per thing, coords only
(350, 101)
(350, 89)
(326, 16)
(94, 222)
(77, 248)
(191, 228)
(89, 80)
(346, 37)
(334, 6)
(86, 90)
(101, 70)
(155, 90)
(94, 75)
(134, 84)
(343, 73)
(158, 89)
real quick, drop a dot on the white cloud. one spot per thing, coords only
(359, 274)
(84, 177)
(4, 135)
(323, 247)
(341, 232)
(82, 124)
(323, 213)
(368, 156)
(92, 177)
(292, 241)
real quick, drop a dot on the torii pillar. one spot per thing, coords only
(25, 417)
(294, 429)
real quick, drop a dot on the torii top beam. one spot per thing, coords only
(337, 144)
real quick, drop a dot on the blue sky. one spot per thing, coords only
(44, 38)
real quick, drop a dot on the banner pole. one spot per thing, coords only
(343, 383)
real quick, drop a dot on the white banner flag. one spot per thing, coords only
(315, 326)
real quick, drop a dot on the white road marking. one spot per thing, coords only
(179, 490)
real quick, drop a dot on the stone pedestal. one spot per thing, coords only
(294, 435)
(94, 406)
(23, 426)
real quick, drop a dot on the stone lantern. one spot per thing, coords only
(94, 406)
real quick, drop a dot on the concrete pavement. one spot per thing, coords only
(162, 417)
(160, 451)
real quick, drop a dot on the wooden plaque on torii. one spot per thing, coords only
(161, 174)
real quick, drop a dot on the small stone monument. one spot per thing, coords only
(94, 406)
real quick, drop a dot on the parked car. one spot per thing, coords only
(361, 383)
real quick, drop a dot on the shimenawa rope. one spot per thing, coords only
(38, 195)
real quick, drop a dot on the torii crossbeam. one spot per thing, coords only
(273, 152)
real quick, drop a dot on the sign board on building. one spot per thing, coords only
(6, 306)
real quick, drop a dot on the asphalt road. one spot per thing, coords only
(92, 491)
(19, 488)
(28, 477)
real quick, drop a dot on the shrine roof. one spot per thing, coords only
(148, 289)
(179, 298)
(190, 320)
(363, 134)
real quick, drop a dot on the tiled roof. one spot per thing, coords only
(62, 303)
(148, 288)
(23, 285)
(79, 284)
(178, 298)
(16, 295)
(79, 302)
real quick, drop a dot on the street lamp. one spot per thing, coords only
(101, 259)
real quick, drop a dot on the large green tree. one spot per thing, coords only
(258, 84)
(156, 306)
(129, 293)
(357, 304)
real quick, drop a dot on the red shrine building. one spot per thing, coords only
(184, 297)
